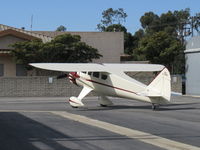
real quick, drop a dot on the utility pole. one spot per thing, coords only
(31, 22)
(192, 25)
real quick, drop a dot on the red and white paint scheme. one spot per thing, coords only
(110, 80)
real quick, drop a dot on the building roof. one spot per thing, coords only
(195, 50)
(193, 45)
(44, 38)
(17, 34)
(53, 34)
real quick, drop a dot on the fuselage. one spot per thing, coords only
(110, 85)
(110, 80)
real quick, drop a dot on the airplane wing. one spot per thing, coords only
(94, 67)
(70, 67)
(135, 67)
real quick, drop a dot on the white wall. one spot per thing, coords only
(192, 55)
(193, 73)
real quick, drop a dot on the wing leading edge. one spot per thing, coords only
(111, 68)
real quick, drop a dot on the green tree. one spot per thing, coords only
(197, 22)
(129, 41)
(112, 22)
(182, 17)
(116, 28)
(136, 38)
(150, 22)
(168, 22)
(160, 48)
(171, 22)
(174, 24)
(110, 17)
(64, 48)
(61, 28)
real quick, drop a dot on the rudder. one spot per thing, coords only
(160, 86)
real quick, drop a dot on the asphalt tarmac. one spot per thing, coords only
(38, 123)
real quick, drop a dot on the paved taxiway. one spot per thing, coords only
(51, 124)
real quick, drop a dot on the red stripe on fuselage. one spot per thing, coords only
(110, 86)
(75, 76)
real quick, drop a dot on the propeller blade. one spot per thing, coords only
(62, 76)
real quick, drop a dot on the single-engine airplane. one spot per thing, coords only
(110, 80)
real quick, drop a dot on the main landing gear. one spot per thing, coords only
(104, 101)
(155, 106)
(75, 102)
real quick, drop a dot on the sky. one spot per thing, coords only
(82, 15)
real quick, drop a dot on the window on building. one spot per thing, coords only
(1, 69)
(21, 70)
(104, 77)
(96, 74)
(90, 73)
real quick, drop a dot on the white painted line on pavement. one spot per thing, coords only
(131, 133)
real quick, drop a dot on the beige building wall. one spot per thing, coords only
(109, 44)
(9, 65)
(5, 59)
(7, 40)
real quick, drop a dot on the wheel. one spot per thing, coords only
(102, 105)
(74, 107)
(155, 106)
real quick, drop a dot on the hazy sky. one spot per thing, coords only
(82, 15)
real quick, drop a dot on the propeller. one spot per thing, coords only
(62, 76)
(71, 76)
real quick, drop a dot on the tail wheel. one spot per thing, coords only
(102, 105)
(155, 106)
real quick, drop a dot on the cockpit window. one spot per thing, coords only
(104, 77)
(96, 74)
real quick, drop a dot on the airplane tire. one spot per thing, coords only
(74, 107)
(102, 105)
(155, 106)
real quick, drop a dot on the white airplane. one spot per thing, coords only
(110, 80)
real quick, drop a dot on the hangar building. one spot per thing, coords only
(109, 44)
(192, 54)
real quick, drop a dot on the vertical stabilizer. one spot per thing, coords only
(160, 86)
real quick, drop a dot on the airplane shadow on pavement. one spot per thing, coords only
(169, 107)
(18, 132)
